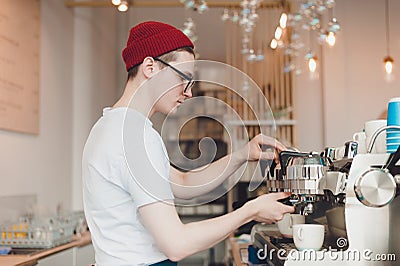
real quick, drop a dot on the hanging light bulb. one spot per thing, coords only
(283, 20)
(278, 33)
(189, 29)
(330, 3)
(274, 44)
(203, 7)
(225, 16)
(260, 55)
(312, 64)
(388, 61)
(116, 2)
(309, 54)
(235, 18)
(123, 7)
(189, 3)
(331, 39)
(252, 56)
(321, 37)
(333, 25)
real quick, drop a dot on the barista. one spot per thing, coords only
(128, 184)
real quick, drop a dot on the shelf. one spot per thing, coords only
(279, 122)
(201, 210)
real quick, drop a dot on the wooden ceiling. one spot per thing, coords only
(166, 3)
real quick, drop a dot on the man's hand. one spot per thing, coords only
(252, 150)
(268, 209)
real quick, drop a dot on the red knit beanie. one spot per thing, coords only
(153, 39)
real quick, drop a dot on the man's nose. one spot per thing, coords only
(188, 93)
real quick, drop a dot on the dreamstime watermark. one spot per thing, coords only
(330, 254)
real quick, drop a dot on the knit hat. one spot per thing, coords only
(153, 39)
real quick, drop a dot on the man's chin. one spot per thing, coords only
(173, 110)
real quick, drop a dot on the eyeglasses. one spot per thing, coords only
(190, 81)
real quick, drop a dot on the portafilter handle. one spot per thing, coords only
(285, 156)
(376, 134)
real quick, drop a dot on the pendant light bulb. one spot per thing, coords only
(331, 39)
(123, 7)
(388, 61)
(274, 44)
(312, 64)
(283, 21)
(116, 2)
(278, 33)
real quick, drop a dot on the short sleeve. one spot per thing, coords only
(147, 165)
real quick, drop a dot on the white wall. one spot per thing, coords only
(42, 164)
(353, 83)
(94, 80)
(77, 79)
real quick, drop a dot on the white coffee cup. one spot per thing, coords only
(360, 138)
(289, 219)
(370, 128)
(308, 236)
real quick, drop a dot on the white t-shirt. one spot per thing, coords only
(125, 165)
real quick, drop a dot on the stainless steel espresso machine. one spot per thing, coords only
(358, 191)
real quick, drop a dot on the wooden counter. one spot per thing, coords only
(236, 248)
(29, 260)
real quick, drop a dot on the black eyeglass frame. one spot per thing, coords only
(180, 73)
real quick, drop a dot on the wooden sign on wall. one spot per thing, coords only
(19, 65)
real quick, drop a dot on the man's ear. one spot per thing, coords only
(148, 67)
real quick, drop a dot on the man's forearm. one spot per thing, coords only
(177, 240)
(207, 178)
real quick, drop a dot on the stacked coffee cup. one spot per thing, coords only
(393, 119)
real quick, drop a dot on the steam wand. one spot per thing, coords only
(376, 134)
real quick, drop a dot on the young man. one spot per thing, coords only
(128, 184)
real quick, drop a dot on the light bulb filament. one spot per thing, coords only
(388, 61)
(312, 64)
(283, 20)
(388, 67)
(123, 7)
(331, 38)
(278, 33)
(274, 44)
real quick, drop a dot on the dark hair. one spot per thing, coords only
(168, 57)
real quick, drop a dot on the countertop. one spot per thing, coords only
(30, 260)
(239, 251)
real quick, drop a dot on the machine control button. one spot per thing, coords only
(375, 188)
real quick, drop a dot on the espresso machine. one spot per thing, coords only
(339, 184)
